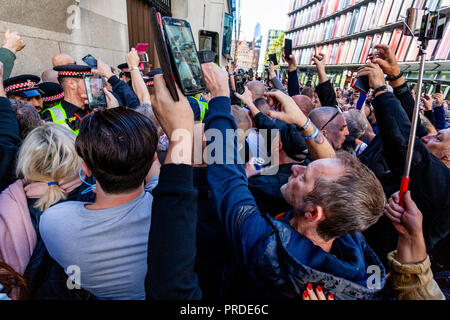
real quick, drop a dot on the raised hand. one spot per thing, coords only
(246, 97)
(375, 74)
(289, 111)
(216, 80)
(103, 69)
(385, 58)
(12, 41)
(132, 59)
(407, 221)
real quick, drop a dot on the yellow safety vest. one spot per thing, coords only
(202, 104)
(59, 116)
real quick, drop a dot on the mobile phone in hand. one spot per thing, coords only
(438, 88)
(183, 56)
(273, 58)
(163, 55)
(287, 47)
(90, 61)
(94, 89)
(361, 84)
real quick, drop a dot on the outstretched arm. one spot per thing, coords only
(412, 277)
(137, 81)
(324, 89)
(172, 238)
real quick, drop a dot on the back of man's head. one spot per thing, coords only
(243, 122)
(118, 146)
(60, 59)
(309, 92)
(356, 124)
(27, 117)
(304, 103)
(320, 116)
(352, 202)
(256, 88)
(50, 75)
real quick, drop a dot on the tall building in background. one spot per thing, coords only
(256, 46)
(248, 52)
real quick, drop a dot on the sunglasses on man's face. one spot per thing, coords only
(339, 111)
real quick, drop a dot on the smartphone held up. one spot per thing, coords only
(94, 90)
(178, 55)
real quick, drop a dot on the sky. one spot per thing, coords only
(271, 14)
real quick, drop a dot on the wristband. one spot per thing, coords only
(315, 134)
(292, 68)
(380, 88)
(230, 75)
(395, 78)
(135, 68)
(305, 125)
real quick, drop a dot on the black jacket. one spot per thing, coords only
(172, 238)
(9, 142)
(326, 94)
(429, 178)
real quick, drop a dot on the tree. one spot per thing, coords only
(275, 47)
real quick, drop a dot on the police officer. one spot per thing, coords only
(51, 93)
(24, 87)
(125, 73)
(72, 108)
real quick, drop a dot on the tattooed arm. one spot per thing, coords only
(428, 125)
(318, 146)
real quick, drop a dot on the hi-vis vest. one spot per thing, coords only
(202, 104)
(59, 116)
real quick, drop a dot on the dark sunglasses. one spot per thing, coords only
(339, 111)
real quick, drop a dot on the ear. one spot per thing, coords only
(314, 213)
(446, 158)
(85, 169)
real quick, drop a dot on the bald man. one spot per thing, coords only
(304, 103)
(61, 59)
(256, 88)
(50, 75)
(331, 123)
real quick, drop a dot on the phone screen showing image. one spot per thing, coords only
(184, 56)
(94, 90)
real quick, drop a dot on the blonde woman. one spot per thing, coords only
(48, 168)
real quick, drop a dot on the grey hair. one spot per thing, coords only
(356, 124)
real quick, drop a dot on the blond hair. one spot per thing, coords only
(48, 154)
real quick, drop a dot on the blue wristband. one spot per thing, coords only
(315, 134)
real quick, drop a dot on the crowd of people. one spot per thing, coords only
(153, 199)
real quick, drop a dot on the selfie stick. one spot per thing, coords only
(415, 117)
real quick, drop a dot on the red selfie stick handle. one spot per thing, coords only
(403, 189)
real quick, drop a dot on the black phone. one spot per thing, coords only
(273, 58)
(163, 55)
(90, 61)
(438, 88)
(361, 84)
(184, 56)
(287, 47)
(206, 56)
(94, 89)
(239, 83)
